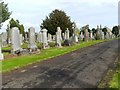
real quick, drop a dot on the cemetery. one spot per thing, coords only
(59, 54)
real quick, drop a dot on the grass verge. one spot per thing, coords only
(17, 62)
(115, 82)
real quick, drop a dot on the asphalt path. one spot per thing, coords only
(83, 68)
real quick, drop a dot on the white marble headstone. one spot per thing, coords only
(15, 39)
(31, 43)
(44, 38)
(67, 34)
(58, 37)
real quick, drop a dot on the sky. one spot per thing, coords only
(82, 12)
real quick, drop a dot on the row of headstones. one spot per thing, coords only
(16, 38)
(99, 34)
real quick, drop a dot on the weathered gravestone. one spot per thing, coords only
(26, 38)
(63, 36)
(1, 55)
(31, 43)
(90, 35)
(15, 40)
(44, 38)
(58, 37)
(39, 37)
(75, 37)
(8, 34)
(67, 34)
(21, 39)
(86, 33)
(49, 37)
(81, 36)
(4, 39)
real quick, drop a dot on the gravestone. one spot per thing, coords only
(67, 34)
(39, 37)
(26, 38)
(49, 37)
(53, 37)
(1, 55)
(98, 33)
(44, 38)
(63, 36)
(31, 43)
(107, 35)
(81, 36)
(21, 39)
(75, 37)
(102, 36)
(91, 35)
(58, 37)
(8, 34)
(15, 40)
(86, 33)
(4, 39)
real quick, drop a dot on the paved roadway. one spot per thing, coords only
(82, 68)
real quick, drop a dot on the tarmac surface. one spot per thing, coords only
(83, 68)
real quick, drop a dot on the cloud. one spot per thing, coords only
(93, 12)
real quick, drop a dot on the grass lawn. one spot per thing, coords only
(17, 62)
(115, 82)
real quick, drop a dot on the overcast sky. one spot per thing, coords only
(92, 12)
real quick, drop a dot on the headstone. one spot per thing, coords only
(40, 37)
(91, 35)
(26, 37)
(1, 55)
(49, 37)
(86, 34)
(98, 36)
(31, 43)
(4, 39)
(75, 37)
(21, 39)
(81, 36)
(63, 36)
(9, 34)
(102, 36)
(58, 37)
(107, 35)
(44, 38)
(15, 40)
(53, 37)
(67, 34)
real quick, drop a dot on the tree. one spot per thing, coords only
(115, 30)
(4, 13)
(57, 18)
(15, 23)
(104, 30)
(94, 31)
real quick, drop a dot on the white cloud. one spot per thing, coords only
(31, 12)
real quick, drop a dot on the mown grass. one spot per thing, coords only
(115, 82)
(17, 62)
